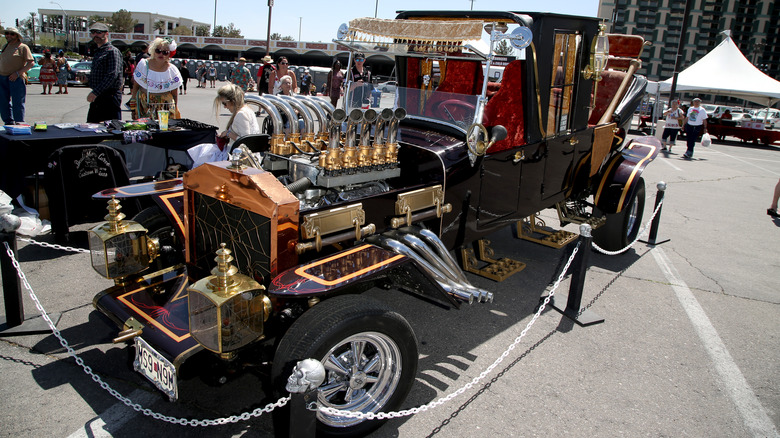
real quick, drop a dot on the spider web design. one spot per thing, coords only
(246, 234)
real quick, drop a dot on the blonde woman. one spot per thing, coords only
(242, 119)
(156, 82)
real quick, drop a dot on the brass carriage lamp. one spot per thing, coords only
(120, 248)
(227, 309)
(599, 52)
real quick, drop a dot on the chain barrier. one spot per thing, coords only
(473, 382)
(284, 400)
(638, 235)
(54, 245)
(103, 384)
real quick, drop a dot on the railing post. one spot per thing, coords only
(580, 269)
(302, 384)
(659, 198)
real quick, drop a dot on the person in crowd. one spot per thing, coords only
(360, 78)
(335, 81)
(695, 125)
(157, 81)
(48, 74)
(212, 73)
(105, 78)
(15, 60)
(199, 74)
(143, 54)
(242, 118)
(204, 75)
(63, 69)
(266, 76)
(674, 117)
(284, 70)
(306, 83)
(285, 86)
(772, 210)
(241, 75)
(185, 75)
(726, 115)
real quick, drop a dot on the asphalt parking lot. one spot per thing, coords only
(690, 345)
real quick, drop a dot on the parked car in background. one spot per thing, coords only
(772, 118)
(33, 74)
(79, 73)
(387, 87)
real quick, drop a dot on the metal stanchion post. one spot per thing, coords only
(306, 377)
(574, 299)
(15, 322)
(659, 198)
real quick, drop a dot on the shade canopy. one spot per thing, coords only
(726, 72)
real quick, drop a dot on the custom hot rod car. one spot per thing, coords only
(267, 254)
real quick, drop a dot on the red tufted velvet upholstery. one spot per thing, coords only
(461, 77)
(607, 88)
(506, 108)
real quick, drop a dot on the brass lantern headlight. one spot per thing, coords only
(599, 53)
(227, 309)
(120, 248)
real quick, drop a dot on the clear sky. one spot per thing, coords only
(316, 20)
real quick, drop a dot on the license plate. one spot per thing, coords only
(156, 368)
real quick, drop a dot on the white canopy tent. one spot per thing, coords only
(724, 71)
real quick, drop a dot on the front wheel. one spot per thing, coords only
(622, 228)
(369, 353)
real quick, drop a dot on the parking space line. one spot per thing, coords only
(669, 162)
(113, 418)
(733, 382)
(747, 162)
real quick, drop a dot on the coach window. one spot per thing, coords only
(567, 46)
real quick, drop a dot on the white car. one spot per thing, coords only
(772, 118)
(387, 87)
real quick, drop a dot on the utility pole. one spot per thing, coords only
(268, 35)
(680, 45)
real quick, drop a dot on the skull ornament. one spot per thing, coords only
(307, 375)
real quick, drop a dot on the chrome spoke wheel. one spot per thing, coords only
(363, 371)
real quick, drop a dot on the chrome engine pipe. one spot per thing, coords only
(270, 108)
(337, 118)
(369, 117)
(324, 103)
(385, 116)
(445, 268)
(399, 248)
(322, 116)
(352, 123)
(392, 129)
(308, 119)
(288, 110)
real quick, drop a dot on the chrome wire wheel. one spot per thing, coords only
(363, 372)
(633, 215)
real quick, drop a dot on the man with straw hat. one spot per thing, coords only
(266, 76)
(15, 60)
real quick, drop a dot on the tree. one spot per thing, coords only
(229, 31)
(96, 19)
(202, 30)
(181, 30)
(504, 48)
(159, 26)
(276, 36)
(288, 38)
(122, 21)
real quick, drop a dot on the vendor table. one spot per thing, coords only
(22, 155)
(762, 136)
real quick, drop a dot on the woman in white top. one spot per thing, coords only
(156, 82)
(242, 120)
(674, 117)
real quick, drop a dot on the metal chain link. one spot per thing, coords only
(137, 407)
(54, 245)
(638, 235)
(473, 382)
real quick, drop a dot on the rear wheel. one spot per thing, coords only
(622, 228)
(369, 353)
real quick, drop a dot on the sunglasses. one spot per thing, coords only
(164, 52)
(10, 33)
(225, 103)
(97, 31)
(284, 63)
(360, 59)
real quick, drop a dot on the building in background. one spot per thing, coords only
(753, 25)
(52, 20)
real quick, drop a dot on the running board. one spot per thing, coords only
(497, 270)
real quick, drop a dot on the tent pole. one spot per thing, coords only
(680, 45)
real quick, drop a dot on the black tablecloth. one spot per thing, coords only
(22, 155)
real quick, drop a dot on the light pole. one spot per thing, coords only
(376, 8)
(300, 23)
(64, 23)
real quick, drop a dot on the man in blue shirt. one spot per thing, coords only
(105, 78)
